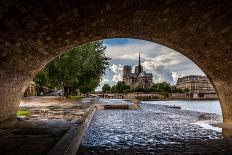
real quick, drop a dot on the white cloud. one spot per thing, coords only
(118, 71)
(101, 84)
(130, 50)
(117, 77)
(160, 72)
(175, 76)
(116, 68)
(165, 63)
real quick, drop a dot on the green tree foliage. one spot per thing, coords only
(41, 79)
(161, 87)
(79, 68)
(113, 89)
(120, 87)
(139, 89)
(106, 88)
(179, 90)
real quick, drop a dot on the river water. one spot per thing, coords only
(157, 129)
(209, 106)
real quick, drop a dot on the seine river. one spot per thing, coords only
(157, 129)
(209, 106)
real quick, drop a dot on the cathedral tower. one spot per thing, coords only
(139, 68)
(127, 70)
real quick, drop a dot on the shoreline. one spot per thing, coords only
(192, 105)
(172, 99)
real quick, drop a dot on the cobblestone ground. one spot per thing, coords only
(155, 130)
(37, 135)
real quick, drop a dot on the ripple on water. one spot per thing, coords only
(152, 126)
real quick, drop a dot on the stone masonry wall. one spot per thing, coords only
(32, 33)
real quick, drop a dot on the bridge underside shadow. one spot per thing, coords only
(32, 33)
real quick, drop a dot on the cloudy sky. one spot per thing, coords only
(165, 63)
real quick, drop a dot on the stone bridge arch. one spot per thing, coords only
(34, 32)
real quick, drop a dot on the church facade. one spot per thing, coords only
(138, 79)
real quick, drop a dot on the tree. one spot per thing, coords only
(40, 80)
(79, 68)
(120, 87)
(186, 90)
(113, 89)
(106, 88)
(161, 87)
(166, 86)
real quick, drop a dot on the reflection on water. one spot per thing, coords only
(124, 128)
(193, 105)
(151, 129)
(208, 126)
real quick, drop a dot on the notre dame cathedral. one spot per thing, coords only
(138, 79)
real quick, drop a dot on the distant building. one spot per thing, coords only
(139, 78)
(195, 84)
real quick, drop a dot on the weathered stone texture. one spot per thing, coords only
(34, 32)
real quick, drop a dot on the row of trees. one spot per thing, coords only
(79, 68)
(121, 87)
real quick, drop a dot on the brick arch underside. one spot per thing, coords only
(34, 32)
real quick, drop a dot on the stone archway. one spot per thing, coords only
(34, 32)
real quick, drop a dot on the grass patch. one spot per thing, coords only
(23, 112)
(75, 97)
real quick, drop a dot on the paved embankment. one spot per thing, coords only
(69, 143)
(38, 135)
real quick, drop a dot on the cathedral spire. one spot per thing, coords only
(139, 66)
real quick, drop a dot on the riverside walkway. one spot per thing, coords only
(39, 135)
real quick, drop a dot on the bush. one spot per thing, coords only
(23, 112)
(164, 95)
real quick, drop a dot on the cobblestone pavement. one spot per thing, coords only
(37, 135)
(155, 130)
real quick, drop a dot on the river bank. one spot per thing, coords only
(37, 134)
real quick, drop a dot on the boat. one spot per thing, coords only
(176, 107)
